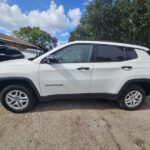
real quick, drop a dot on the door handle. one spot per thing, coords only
(126, 67)
(83, 68)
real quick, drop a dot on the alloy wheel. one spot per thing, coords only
(133, 99)
(17, 99)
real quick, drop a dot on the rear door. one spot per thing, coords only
(112, 67)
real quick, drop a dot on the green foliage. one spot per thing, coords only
(37, 37)
(120, 20)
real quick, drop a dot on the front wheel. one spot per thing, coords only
(132, 98)
(17, 98)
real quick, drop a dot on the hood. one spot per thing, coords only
(15, 62)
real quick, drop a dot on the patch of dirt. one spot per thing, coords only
(76, 125)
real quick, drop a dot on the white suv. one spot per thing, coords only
(85, 69)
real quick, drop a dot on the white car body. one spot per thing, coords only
(66, 79)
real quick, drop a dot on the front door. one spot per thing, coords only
(71, 75)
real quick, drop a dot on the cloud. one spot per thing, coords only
(75, 15)
(60, 43)
(51, 20)
(87, 2)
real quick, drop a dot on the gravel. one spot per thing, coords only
(76, 125)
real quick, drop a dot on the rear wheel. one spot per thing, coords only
(17, 98)
(132, 98)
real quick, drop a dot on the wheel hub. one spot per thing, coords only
(17, 99)
(133, 99)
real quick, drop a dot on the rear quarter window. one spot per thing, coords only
(130, 54)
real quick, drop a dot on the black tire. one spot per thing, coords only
(122, 103)
(31, 98)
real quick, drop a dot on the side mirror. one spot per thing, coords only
(51, 59)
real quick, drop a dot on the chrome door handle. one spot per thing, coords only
(126, 67)
(83, 68)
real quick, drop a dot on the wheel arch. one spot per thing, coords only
(144, 83)
(4, 82)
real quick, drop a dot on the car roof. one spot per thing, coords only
(111, 43)
(11, 47)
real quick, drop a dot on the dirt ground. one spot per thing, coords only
(76, 125)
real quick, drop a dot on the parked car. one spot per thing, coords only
(32, 53)
(88, 69)
(9, 53)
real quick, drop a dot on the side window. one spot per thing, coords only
(130, 54)
(13, 52)
(75, 54)
(3, 50)
(106, 53)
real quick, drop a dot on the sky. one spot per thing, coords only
(57, 17)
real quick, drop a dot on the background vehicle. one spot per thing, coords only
(32, 53)
(9, 53)
(84, 69)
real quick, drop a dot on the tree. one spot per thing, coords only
(120, 20)
(37, 37)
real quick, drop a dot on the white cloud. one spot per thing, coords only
(75, 15)
(60, 43)
(51, 20)
(88, 1)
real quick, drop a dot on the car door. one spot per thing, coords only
(112, 67)
(71, 75)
